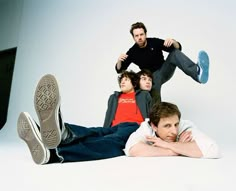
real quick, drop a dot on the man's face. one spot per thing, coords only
(126, 85)
(167, 128)
(139, 37)
(145, 83)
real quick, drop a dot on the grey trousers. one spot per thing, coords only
(175, 59)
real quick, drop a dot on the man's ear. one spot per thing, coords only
(153, 127)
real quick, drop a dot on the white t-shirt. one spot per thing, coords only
(207, 146)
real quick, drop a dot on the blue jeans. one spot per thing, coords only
(175, 58)
(84, 144)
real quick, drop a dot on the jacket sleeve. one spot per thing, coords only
(149, 103)
(111, 109)
(107, 122)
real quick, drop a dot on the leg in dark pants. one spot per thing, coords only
(175, 58)
(99, 145)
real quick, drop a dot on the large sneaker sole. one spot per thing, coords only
(203, 61)
(28, 131)
(47, 103)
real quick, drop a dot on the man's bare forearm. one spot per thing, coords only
(118, 65)
(176, 44)
(145, 150)
(189, 149)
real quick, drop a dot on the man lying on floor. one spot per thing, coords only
(53, 141)
(164, 134)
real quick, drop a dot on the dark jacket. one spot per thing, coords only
(143, 100)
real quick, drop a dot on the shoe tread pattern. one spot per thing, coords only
(46, 102)
(31, 137)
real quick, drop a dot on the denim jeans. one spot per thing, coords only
(84, 144)
(175, 58)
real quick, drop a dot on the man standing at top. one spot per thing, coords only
(147, 53)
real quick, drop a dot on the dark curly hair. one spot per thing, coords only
(131, 75)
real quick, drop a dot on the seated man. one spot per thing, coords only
(145, 80)
(164, 134)
(146, 83)
(56, 141)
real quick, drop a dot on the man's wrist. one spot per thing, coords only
(176, 44)
(118, 65)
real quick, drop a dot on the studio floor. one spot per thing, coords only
(19, 172)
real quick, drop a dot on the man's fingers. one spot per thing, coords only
(123, 57)
(149, 138)
(186, 136)
(168, 42)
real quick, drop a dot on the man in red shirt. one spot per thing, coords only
(55, 141)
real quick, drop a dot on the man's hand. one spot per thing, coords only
(185, 146)
(122, 57)
(163, 145)
(185, 137)
(156, 141)
(169, 41)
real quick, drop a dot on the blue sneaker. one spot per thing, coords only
(203, 64)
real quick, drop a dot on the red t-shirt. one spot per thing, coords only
(127, 110)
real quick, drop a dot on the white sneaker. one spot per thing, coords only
(28, 131)
(47, 105)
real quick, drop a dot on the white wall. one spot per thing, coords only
(80, 41)
(10, 17)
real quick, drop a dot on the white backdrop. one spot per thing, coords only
(80, 41)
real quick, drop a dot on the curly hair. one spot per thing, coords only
(131, 75)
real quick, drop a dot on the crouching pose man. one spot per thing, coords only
(164, 134)
(55, 141)
(147, 53)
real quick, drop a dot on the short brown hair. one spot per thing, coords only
(162, 110)
(137, 26)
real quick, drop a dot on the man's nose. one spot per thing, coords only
(173, 130)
